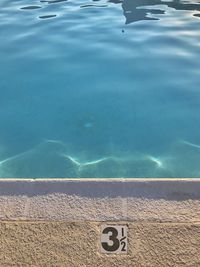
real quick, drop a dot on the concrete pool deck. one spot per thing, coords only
(56, 222)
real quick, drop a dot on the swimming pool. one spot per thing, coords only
(99, 88)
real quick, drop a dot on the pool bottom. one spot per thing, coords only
(52, 159)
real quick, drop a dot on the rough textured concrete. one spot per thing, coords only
(68, 244)
(101, 200)
(57, 222)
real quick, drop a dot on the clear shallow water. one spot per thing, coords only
(99, 89)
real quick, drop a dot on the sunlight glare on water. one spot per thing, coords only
(99, 88)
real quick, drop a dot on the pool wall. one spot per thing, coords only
(56, 222)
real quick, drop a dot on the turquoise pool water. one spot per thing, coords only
(99, 88)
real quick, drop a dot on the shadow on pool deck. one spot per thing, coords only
(153, 189)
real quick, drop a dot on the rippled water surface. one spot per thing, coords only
(99, 88)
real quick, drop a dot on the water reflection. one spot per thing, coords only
(47, 16)
(90, 5)
(30, 7)
(137, 10)
(53, 1)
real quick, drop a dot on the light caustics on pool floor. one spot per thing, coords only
(99, 88)
(51, 159)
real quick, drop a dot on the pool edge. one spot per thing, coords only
(163, 200)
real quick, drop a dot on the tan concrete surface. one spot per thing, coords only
(166, 200)
(56, 222)
(57, 244)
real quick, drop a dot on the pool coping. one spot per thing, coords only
(120, 199)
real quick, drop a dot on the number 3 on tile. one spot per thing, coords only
(113, 238)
